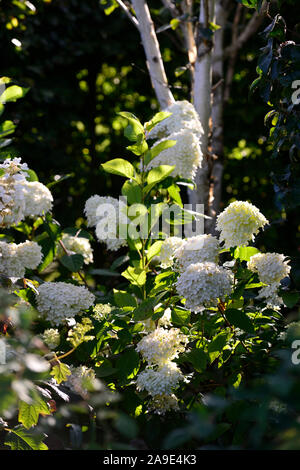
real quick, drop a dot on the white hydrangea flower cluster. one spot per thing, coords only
(15, 258)
(270, 295)
(239, 222)
(182, 125)
(162, 345)
(76, 244)
(198, 249)
(186, 154)
(161, 375)
(106, 214)
(160, 404)
(20, 198)
(271, 269)
(202, 284)
(59, 301)
(167, 251)
(51, 338)
(160, 381)
(183, 115)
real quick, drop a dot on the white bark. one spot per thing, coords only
(152, 51)
(202, 102)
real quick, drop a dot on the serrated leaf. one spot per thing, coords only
(61, 372)
(29, 413)
(20, 438)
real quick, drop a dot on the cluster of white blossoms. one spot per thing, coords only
(76, 244)
(15, 258)
(167, 251)
(20, 198)
(239, 222)
(161, 375)
(183, 116)
(184, 127)
(59, 301)
(160, 404)
(198, 249)
(51, 338)
(162, 345)
(271, 269)
(202, 284)
(107, 214)
(186, 154)
(160, 381)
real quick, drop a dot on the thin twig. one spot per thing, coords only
(127, 12)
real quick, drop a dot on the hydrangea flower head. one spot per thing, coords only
(271, 267)
(185, 155)
(239, 222)
(202, 284)
(197, 249)
(59, 301)
(162, 345)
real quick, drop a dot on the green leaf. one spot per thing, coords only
(128, 365)
(120, 167)
(244, 253)
(158, 117)
(146, 309)
(6, 128)
(72, 262)
(159, 173)
(133, 192)
(174, 193)
(158, 148)
(140, 147)
(239, 319)
(180, 316)
(198, 358)
(61, 372)
(135, 275)
(134, 128)
(20, 438)
(13, 93)
(154, 249)
(217, 345)
(290, 299)
(29, 413)
(124, 299)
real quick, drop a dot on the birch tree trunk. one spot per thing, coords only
(152, 51)
(202, 101)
